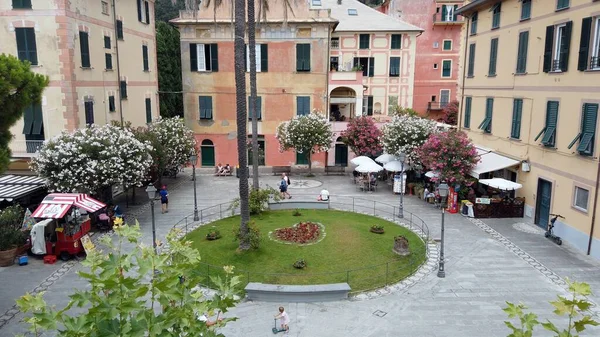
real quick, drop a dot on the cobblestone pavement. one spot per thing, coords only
(487, 263)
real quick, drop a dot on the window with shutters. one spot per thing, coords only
(392, 104)
(496, 11)
(145, 58)
(302, 105)
(446, 68)
(204, 57)
(21, 4)
(447, 45)
(581, 197)
(334, 63)
(107, 43)
(396, 41)
(84, 47)
(587, 134)
(261, 57)
(257, 109)
(549, 130)
(471, 63)
(444, 97)
(108, 61)
(448, 13)
(143, 8)
(120, 29)
(557, 47)
(33, 121)
(493, 57)
(364, 41)
(261, 150)
(205, 107)
(562, 4)
(335, 43)
(474, 20)
(525, 10)
(105, 8)
(303, 57)
(467, 120)
(123, 88)
(394, 66)
(486, 124)
(26, 46)
(367, 106)
(111, 104)
(148, 110)
(589, 44)
(89, 112)
(366, 64)
(522, 53)
(515, 130)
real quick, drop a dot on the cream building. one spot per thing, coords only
(100, 57)
(531, 90)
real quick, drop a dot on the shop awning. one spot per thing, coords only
(13, 187)
(489, 161)
(501, 184)
(56, 205)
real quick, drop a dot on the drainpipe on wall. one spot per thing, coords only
(114, 10)
(595, 210)
(462, 90)
(327, 84)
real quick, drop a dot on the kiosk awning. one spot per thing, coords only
(13, 187)
(56, 205)
(490, 161)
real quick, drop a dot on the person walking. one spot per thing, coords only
(283, 186)
(164, 199)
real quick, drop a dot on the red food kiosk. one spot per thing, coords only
(70, 220)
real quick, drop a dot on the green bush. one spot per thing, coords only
(11, 235)
(296, 212)
(253, 234)
(257, 200)
(11, 217)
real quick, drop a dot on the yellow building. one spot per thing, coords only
(530, 95)
(100, 57)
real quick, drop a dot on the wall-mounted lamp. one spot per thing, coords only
(525, 166)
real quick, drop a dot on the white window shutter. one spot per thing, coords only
(247, 58)
(201, 57)
(257, 48)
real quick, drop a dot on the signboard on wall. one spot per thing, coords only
(484, 201)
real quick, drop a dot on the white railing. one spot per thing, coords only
(25, 148)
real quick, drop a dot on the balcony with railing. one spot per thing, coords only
(432, 106)
(594, 63)
(25, 148)
(353, 76)
(447, 19)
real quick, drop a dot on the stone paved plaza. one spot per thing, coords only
(487, 263)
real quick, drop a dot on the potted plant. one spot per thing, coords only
(214, 234)
(377, 229)
(300, 264)
(12, 238)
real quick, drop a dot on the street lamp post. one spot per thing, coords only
(443, 190)
(401, 158)
(193, 159)
(151, 190)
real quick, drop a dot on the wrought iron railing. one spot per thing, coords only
(448, 19)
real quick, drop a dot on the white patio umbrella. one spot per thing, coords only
(385, 158)
(369, 168)
(396, 166)
(501, 184)
(432, 174)
(361, 160)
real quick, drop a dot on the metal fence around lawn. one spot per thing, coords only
(378, 275)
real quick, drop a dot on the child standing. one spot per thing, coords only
(285, 319)
(164, 199)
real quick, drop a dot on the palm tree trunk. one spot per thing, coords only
(253, 94)
(240, 99)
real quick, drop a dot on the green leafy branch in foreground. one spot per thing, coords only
(577, 310)
(136, 292)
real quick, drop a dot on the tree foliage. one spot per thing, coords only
(397, 110)
(136, 292)
(405, 134)
(362, 136)
(166, 10)
(19, 88)
(451, 113)
(93, 158)
(451, 154)
(168, 54)
(306, 134)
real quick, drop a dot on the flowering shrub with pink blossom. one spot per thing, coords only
(362, 136)
(450, 153)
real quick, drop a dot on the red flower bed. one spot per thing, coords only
(303, 232)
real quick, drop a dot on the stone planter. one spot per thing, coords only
(377, 231)
(7, 257)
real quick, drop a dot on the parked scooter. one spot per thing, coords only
(550, 232)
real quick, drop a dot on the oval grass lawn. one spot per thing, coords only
(349, 252)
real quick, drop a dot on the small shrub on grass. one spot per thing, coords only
(377, 229)
(214, 234)
(253, 235)
(257, 200)
(296, 212)
(300, 264)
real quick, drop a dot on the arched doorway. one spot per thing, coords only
(207, 152)
(341, 153)
(342, 104)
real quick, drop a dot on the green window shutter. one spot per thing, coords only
(584, 44)
(303, 57)
(474, 20)
(471, 66)
(89, 112)
(371, 67)
(31, 46)
(493, 57)
(193, 57)
(107, 42)
(467, 122)
(302, 105)
(205, 107)
(548, 49)
(28, 120)
(394, 66)
(84, 49)
(214, 57)
(444, 12)
(119, 29)
(369, 105)
(486, 124)
(301, 158)
(21, 44)
(38, 120)
(364, 41)
(396, 41)
(454, 15)
(264, 57)
(147, 10)
(588, 129)
(139, 10)
(299, 65)
(562, 4)
(111, 103)
(148, 110)
(525, 9)
(516, 118)
(566, 46)
(21, 4)
(307, 57)
(446, 68)
(145, 58)
(496, 15)
(549, 138)
(123, 87)
(257, 109)
(108, 61)
(522, 52)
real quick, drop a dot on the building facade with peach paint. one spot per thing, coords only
(531, 95)
(83, 49)
(316, 62)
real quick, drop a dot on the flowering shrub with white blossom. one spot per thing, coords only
(309, 133)
(177, 139)
(93, 158)
(405, 134)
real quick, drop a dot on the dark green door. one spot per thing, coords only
(302, 158)
(341, 155)
(542, 209)
(207, 153)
